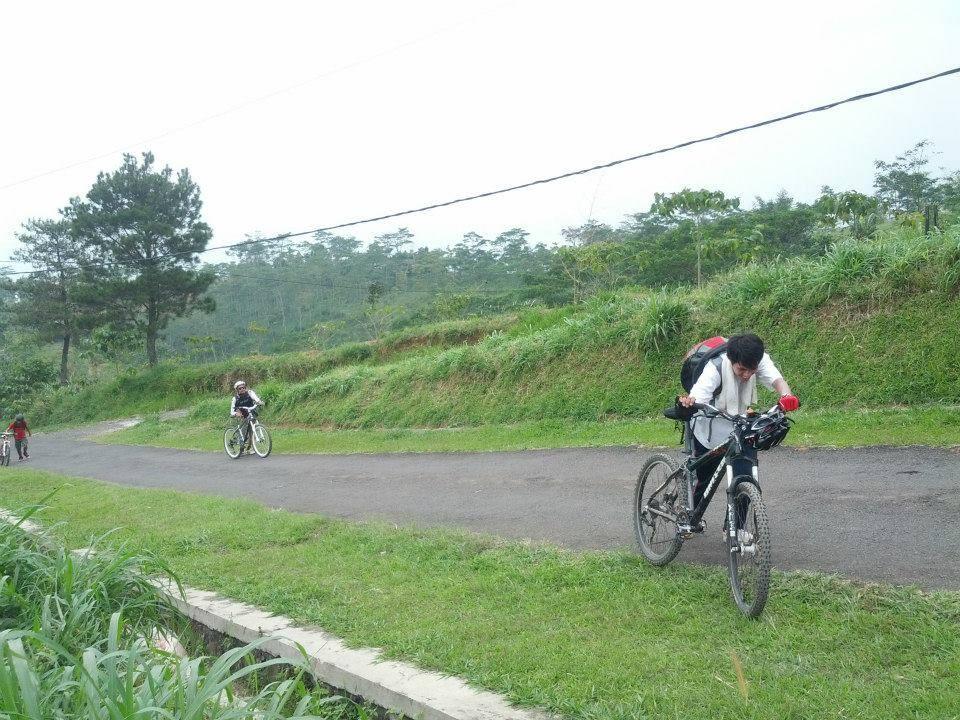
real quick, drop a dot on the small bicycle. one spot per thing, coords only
(5, 448)
(664, 514)
(245, 433)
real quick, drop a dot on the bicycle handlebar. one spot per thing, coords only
(712, 411)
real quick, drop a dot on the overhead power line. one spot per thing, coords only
(573, 173)
(584, 171)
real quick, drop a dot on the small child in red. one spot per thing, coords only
(20, 432)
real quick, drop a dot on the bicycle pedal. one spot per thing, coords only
(685, 530)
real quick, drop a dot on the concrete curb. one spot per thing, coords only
(362, 672)
(395, 686)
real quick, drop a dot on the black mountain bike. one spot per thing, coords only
(664, 514)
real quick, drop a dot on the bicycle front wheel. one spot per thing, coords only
(749, 551)
(232, 442)
(5, 455)
(660, 489)
(262, 443)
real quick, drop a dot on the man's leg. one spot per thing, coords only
(19, 446)
(704, 472)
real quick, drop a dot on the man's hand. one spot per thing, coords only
(789, 403)
(686, 401)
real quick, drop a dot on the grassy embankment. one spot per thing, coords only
(584, 634)
(79, 635)
(867, 336)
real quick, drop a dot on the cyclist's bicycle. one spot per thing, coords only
(5, 448)
(664, 514)
(246, 433)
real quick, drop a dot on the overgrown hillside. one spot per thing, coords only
(870, 323)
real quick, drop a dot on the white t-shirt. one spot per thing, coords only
(715, 431)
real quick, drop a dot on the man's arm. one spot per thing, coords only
(256, 398)
(780, 385)
(771, 377)
(704, 388)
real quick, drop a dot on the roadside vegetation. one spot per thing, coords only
(870, 325)
(81, 634)
(387, 346)
(584, 634)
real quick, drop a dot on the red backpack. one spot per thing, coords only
(697, 358)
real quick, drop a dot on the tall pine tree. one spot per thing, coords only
(146, 230)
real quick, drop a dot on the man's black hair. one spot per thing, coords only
(746, 349)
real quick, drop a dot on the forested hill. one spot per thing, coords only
(873, 322)
(113, 294)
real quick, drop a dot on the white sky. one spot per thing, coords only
(388, 105)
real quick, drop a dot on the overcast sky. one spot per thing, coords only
(294, 115)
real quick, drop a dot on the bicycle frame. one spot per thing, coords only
(731, 451)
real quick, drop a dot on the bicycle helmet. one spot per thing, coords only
(18, 418)
(238, 383)
(767, 432)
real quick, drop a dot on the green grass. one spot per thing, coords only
(869, 324)
(931, 425)
(75, 642)
(585, 634)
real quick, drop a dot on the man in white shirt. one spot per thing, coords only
(729, 382)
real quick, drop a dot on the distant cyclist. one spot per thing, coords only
(245, 403)
(20, 432)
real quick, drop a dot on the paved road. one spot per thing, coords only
(882, 514)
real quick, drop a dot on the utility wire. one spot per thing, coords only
(543, 181)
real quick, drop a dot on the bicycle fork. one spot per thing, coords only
(732, 521)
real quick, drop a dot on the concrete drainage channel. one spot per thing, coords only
(397, 688)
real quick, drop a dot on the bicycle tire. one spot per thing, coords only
(5, 456)
(673, 496)
(262, 442)
(231, 446)
(750, 571)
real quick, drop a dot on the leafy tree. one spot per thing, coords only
(202, 345)
(390, 244)
(697, 207)
(907, 184)
(471, 255)
(860, 213)
(256, 252)
(51, 300)
(22, 378)
(590, 266)
(340, 248)
(146, 227)
(589, 233)
(379, 318)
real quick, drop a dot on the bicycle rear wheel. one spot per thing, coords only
(749, 551)
(659, 487)
(232, 442)
(262, 443)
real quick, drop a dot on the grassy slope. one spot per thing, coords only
(869, 325)
(589, 635)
